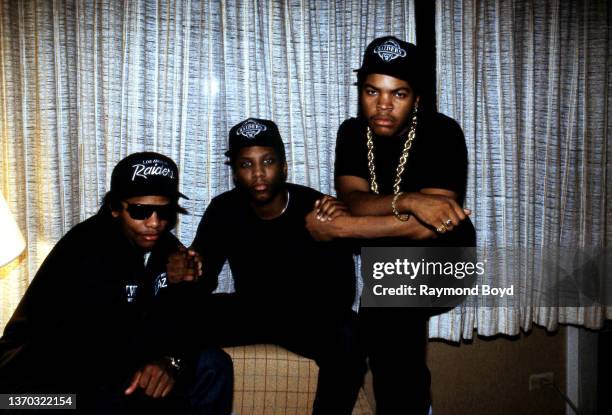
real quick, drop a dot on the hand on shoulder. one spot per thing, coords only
(184, 265)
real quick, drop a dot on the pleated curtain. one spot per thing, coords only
(84, 83)
(530, 83)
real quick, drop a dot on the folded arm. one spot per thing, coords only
(432, 207)
(347, 226)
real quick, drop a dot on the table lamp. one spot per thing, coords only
(11, 239)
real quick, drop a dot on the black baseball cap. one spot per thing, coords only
(144, 174)
(391, 56)
(255, 132)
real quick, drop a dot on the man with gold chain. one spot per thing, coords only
(402, 172)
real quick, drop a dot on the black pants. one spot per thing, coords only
(204, 388)
(329, 338)
(395, 342)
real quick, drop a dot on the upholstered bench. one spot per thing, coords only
(270, 380)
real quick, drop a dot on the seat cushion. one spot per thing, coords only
(270, 380)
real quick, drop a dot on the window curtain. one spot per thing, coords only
(84, 83)
(530, 82)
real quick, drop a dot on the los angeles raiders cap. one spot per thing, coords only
(144, 174)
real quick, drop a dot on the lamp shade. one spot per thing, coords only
(11, 239)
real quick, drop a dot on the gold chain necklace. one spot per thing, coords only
(402, 160)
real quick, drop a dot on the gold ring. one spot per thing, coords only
(441, 229)
(448, 222)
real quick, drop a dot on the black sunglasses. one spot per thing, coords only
(142, 212)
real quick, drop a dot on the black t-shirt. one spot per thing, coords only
(275, 262)
(437, 159)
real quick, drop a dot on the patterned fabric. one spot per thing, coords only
(270, 380)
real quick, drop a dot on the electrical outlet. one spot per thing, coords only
(539, 380)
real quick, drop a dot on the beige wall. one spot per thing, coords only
(491, 375)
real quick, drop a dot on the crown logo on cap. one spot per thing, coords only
(389, 51)
(250, 129)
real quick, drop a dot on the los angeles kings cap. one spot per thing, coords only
(394, 57)
(255, 132)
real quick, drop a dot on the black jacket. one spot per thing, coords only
(92, 314)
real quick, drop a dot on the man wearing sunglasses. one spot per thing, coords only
(97, 319)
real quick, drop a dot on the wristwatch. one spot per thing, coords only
(175, 362)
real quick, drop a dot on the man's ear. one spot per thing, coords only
(285, 169)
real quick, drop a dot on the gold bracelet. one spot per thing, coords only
(398, 215)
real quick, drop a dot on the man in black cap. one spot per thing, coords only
(96, 320)
(289, 289)
(402, 169)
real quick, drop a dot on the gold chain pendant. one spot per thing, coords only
(402, 160)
